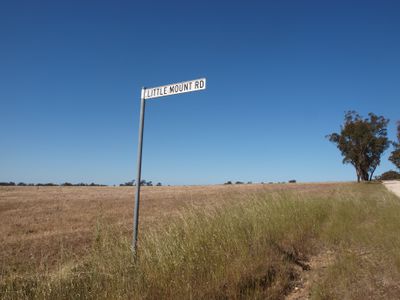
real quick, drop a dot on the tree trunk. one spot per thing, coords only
(362, 175)
(358, 174)
(365, 175)
(372, 173)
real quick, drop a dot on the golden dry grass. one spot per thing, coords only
(215, 242)
(38, 225)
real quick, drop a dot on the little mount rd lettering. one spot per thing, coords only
(175, 88)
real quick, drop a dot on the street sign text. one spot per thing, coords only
(175, 88)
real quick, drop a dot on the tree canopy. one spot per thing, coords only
(362, 142)
(395, 156)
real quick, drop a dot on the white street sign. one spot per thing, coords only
(156, 92)
(175, 88)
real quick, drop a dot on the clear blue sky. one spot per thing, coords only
(280, 75)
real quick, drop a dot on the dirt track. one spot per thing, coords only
(393, 186)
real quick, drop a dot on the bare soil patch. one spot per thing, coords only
(310, 275)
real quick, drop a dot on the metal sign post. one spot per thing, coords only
(150, 93)
(139, 171)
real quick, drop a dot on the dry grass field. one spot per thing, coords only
(40, 224)
(295, 241)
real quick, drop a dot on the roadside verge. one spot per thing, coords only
(393, 186)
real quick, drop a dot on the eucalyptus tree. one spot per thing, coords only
(395, 155)
(362, 141)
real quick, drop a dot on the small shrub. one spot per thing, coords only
(389, 175)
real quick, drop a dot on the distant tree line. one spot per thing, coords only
(250, 182)
(230, 182)
(7, 183)
(142, 183)
(49, 184)
(129, 183)
(81, 184)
